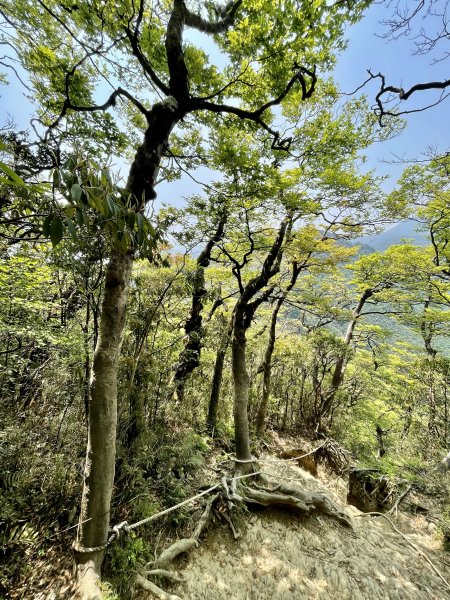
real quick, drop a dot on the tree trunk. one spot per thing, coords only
(267, 370)
(211, 421)
(100, 456)
(102, 422)
(381, 433)
(241, 388)
(189, 358)
(267, 365)
(339, 369)
(243, 313)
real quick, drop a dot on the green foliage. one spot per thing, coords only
(95, 202)
(50, 292)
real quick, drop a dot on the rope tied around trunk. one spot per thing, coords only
(88, 549)
(115, 531)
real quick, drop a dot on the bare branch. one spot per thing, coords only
(226, 15)
(256, 115)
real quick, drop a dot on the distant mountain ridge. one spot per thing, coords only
(394, 235)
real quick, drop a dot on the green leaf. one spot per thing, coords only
(46, 225)
(70, 163)
(70, 210)
(15, 179)
(71, 228)
(56, 230)
(56, 178)
(80, 216)
(106, 177)
(76, 191)
(111, 206)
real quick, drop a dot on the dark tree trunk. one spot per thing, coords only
(381, 433)
(267, 371)
(216, 385)
(189, 358)
(326, 404)
(241, 387)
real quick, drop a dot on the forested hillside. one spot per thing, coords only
(154, 347)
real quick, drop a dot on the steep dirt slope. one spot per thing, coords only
(282, 556)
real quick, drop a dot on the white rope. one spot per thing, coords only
(115, 531)
(88, 550)
(123, 526)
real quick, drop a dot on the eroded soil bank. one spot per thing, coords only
(282, 556)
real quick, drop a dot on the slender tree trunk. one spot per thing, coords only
(87, 361)
(189, 358)
(100, 456)
(137, 410)
(241, 388)
(267, 370)
(217, 378)
(101, 446)
(381, 433)
(339, 369)
(267, 364)
(243, 313)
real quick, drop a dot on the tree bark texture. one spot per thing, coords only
(102, 422)
(102, 429)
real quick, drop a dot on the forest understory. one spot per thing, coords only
(206, 369)
(227, 548)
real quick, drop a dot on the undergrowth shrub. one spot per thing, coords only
(40, 482)
(164, 469)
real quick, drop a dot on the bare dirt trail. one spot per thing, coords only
(285, 557)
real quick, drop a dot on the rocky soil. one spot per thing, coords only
(283, 556)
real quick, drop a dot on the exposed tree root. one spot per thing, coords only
(227, 519)
(170, 554)
(399, 500)
(263, 492)
(170, 575)
(149, 586)
(281, 494)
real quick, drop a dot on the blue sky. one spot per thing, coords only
(366, 50)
